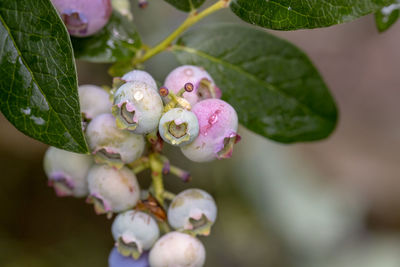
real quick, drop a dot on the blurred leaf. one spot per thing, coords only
(274, 87)
(118, 40)
(119, 68)
(387, 16)
(38, 84)
(303, 14)
(186, 5)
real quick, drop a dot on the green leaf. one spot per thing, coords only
(274, 87)
(303, 14)
(118, 40)
(38, 84)
(387, 16)
(186, 5)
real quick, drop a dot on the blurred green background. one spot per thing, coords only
(334, 203)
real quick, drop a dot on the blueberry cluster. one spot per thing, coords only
(125, 129)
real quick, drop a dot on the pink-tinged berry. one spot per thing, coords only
(218, 123)
(83, 17)
(204, 86)
(177, 249)
(134, 232)
(111, 145)
(112, 190)
(137, 107)
(67, 172)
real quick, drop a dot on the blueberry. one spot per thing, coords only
(204, 86)
(218, 123)
(134, 232)
(111, 145)
(177, 249)
(117, 260)
(67, 171)
(178, 127)
(140, 76)
(137, 107)
(94, 101)
(112, 190)
(83, 17)
(193, 209)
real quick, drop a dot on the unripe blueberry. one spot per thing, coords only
(83, 17)
(94, 101)
(111, 145)
(137, 107)
(67, 171)
(177, 249)
(218, 124)
(140, 76)
(204, 86)
(117, 260)
(178, 127)
(193, 209)
(134, 232)
(112, 190)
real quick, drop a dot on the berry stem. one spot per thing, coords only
(156, 174)
(184, 175)
(192, 19)
(169, 195)
(140, 165)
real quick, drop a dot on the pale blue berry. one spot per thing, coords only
(112, 190)
(134, 232)
(193, 209)
(67, 171)
(178, 127)
(177, 249)
(137, 107)
(140, 76)
(117, 260)
(94, 101)
(111, 145)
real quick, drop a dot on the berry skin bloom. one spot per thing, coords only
(94, 101)
(112, 190)
(218, 124)
(140, 76)
(204, 86)
(177, 249)
(178, 127)
(117, 260)
(134, 232)
(83, 17)
(137, 107)
(193, 209)
(67, 172)
(111, 145)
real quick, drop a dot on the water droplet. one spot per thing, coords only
(138, 96)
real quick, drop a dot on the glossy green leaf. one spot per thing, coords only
(387, 16)
(186, 5)
(118, 40)
(303, 14)
(38, 83)
(274, 87)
